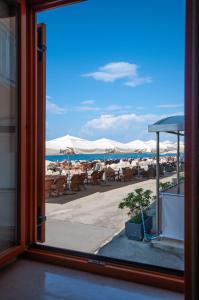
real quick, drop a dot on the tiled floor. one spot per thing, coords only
(36, 281)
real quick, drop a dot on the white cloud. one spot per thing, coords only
(169, 105)
(109, 122)
(53, 108)
(122, 126)
(109, 108)
(136, 81)
(113, 71)
(119, 70)
(85, 108)
(88, 102)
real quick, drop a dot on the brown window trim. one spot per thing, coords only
(104, 260)
(192, 151)
(14, 251)
(22, 125)
(41, 5)
(115, 270)
(137, 274)
(10, 254)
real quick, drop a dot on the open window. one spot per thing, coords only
(61, 240)
(21, 127)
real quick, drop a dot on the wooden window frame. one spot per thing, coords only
(138, 274)
(14, 251)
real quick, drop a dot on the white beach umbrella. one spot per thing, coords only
(82, 146)
(138, 146)
(181, 146)
(170, 146)
(152, 144)
(51, 152)
(62, 143)
(112, 145)
(77, 145)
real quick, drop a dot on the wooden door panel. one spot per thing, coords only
(41, 129)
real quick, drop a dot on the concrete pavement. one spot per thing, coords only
(89, 219)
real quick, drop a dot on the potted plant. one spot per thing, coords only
(165, 185)
(137, 202)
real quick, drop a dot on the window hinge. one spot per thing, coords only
(41, 220)
(41, 48)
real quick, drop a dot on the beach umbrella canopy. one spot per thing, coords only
(51, 152)
(181, 146)
(170, 146)
(112, 146)
(101, 146)
(64, 142)
(152, 144)
(77, 145)
(138, 146)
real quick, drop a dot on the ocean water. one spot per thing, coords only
(90, 157)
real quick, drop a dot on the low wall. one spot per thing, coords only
(172, 214)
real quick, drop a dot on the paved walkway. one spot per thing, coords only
(89, 219)
(122, 248)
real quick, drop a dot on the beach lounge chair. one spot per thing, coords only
(59, 185)
(82, 178)
(96, 177)
(75, 182)
(151, 173)
(127, 174)
(110, 174)
(84, 167)
(49, 186)
(169, 168)
(161, 170)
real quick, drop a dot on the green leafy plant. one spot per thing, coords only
(165, 185)
(135, 201)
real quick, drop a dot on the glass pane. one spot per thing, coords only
(8, 125)
(120, 68)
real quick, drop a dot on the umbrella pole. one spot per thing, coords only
(105, 169)
(69, 185)
(69, 174)
(178, 162)
(157, 182)
(138, 167)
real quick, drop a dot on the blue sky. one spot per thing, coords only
(113, 67)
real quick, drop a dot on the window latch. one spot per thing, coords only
(40, 220)
(96, 262)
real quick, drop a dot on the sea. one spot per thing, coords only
(91, 157)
